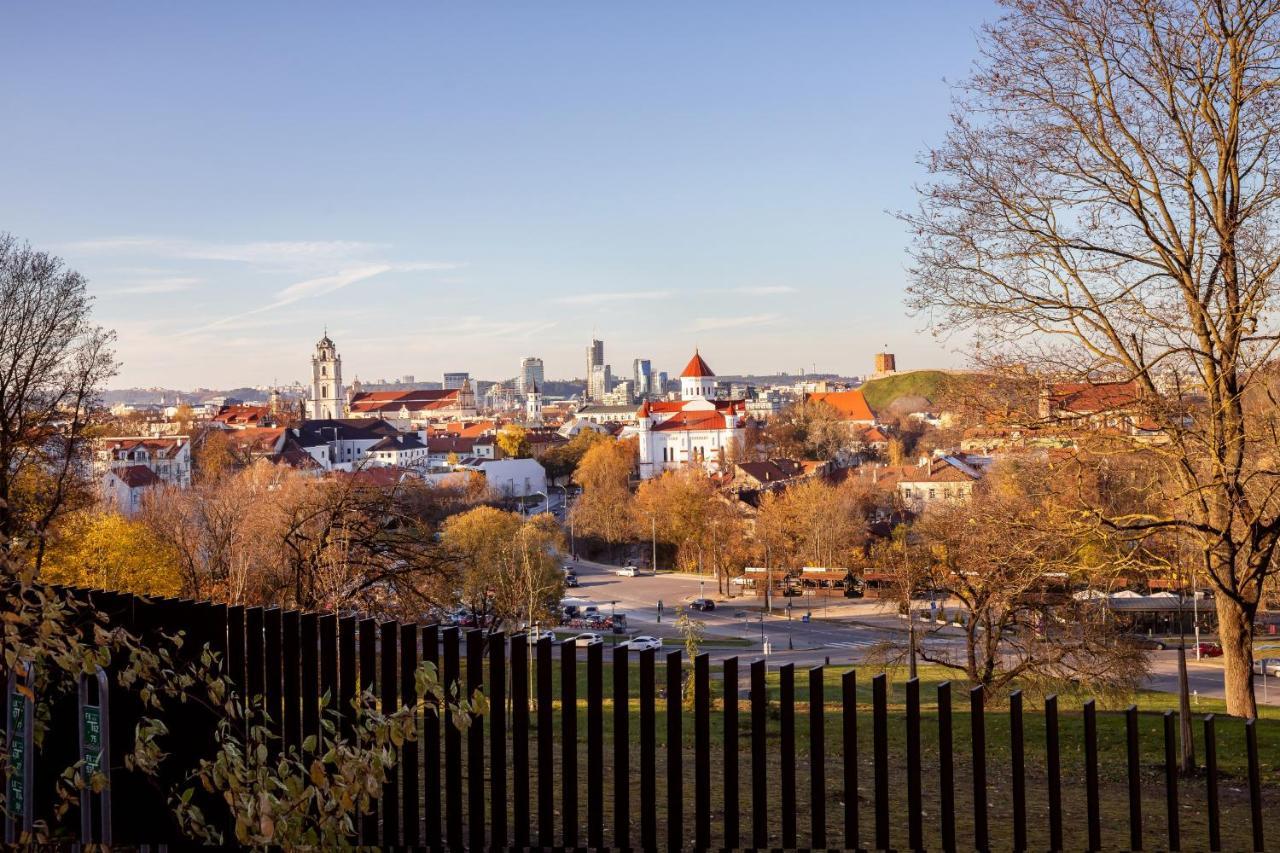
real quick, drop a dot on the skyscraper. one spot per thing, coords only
(531, 374)
(642, 376)
(453, 381)
(595, 358)
(600, 383)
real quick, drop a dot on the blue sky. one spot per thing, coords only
(454, 186)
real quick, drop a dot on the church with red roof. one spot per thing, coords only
(697, 429)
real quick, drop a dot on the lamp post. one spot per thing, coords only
(790, 643)
(653, 532)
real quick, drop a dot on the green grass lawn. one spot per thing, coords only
(1112, 762)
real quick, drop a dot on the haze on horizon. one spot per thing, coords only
(448, 187)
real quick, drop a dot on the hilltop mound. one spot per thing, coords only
(881, 393)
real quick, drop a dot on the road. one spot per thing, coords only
(851, 630)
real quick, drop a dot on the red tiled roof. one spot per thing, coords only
(256, 439)
(393, 401)
(137, 476)
(692, 421)
(158, 446)
(1084, 398)
(659, 407)
(696, 367)
(851, 405)
(451, 444)
(231, 415)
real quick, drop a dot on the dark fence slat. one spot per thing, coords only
(410, 772)
(347, 677)
(546, 758)
(519, 740)
(702, 751)
(1171, 782)
(497, 741)
(759, 757)
(476, 818)
(648, 753)
(915, 800)
(849, 737)
(309, 630)
(1053, 771)
(452, 742)
(787, 752)
(431, 744)
(946, 770)
(389, 699)
(1018, 771)
(327, 630)
(675, 771)
(880, 752)
(595, 745)
(1092, 804)
(732, 832)
(621, 750)
(292, 652)
(817, 760)
(273, 678)
(368, 639)
(1255, 781)
(235, 647)
(1215, 826)
(1135, 776)
(978, 735)
(569, 742)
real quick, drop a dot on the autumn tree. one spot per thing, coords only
(604, 509)
(562, 461)
(513, 441)
(53, 364)
(684, 510)
(1008, 555)
(814, 523)
(1105, 205)
(505, 570)
(104, 549)
(811, 429)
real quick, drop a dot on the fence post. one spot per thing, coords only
(546, 760)
(648, 753)
(621, 750)
(431, 743)
(519, 740)
(569, 742)
(475, 741)
(1017, 757)
(595, 745)
(675, 776)
(978, 724)
(702, 751)
(759, 757)
(849, 736)
(1171, 782)
(1132, 745)
(1053, 770)
(946, 769)
(787, 749)
(817, 760)
(452, 741)
(411, 801)
(729, 689)
(880, 739)
(1211, 782)
(1091, 774)
(1255, 781)
(915, 808)
(497, 740)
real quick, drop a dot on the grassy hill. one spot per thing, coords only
(880, 393)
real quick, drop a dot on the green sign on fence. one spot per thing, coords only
(92, 724)
(17, 753)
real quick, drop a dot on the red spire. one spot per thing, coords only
(644, 410)
(696, 368)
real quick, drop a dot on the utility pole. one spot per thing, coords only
(653, 531)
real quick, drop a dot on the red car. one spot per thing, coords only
(1209, 650)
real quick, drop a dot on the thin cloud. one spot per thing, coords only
(279, 253)
(710, 324)
(151, 286)
(601, 298)
(768, 290)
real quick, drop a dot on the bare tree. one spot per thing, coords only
(1106, 205)
(53, 364)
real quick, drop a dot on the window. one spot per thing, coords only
(324, 371)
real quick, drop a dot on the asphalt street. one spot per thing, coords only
(840, 633)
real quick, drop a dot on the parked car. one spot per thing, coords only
(535, 635)
(1270, 666)
(587, 639)
(1141, 641)
(1209, 650)
(702, 604)
(627, 572)
(641, 644)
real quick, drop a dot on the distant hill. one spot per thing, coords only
(880, 393)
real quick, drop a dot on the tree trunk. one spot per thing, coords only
(1235, 625)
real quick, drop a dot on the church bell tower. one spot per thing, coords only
(327, 399)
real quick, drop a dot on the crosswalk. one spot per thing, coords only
(852, 644)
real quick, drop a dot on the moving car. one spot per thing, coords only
(1269, 666)
(702, 604)
(587, 639)
(1142, 641)
(644, 643)
(627, 572)
(571, 580)
(1210, 650)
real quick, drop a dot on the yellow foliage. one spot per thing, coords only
(101, 548)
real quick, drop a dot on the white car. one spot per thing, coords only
(535, 635)
(1270, 666)
(627, 572)
(642, 644)
(587, 639)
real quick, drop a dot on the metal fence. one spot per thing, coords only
(763, 768)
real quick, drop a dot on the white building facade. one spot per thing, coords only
(695, 430)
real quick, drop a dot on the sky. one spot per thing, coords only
(453, 186)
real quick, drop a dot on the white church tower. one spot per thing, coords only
(697, 382)
(327, 400)
(533, 405)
